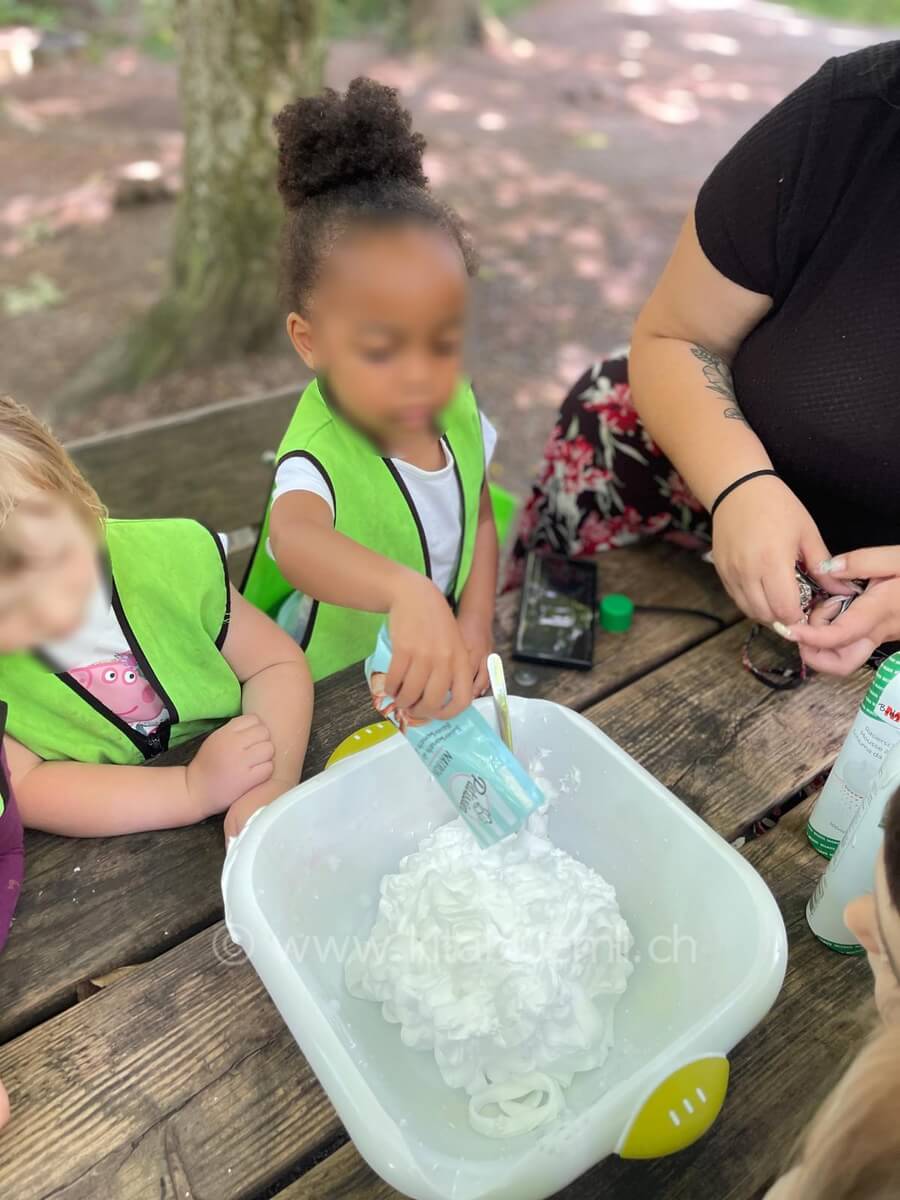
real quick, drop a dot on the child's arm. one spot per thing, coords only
(476, 605)
(429, 657)
(278, 690)
(250, 760)
(96, 800)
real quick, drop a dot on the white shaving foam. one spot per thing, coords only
(506, 963)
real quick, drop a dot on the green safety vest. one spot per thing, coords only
(373, 507)
(170, 593)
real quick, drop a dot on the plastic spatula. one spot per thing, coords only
(501, 699)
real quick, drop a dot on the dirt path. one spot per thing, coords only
(574, 151)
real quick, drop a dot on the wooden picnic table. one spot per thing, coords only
(145, 1061)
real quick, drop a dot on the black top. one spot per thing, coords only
(806, 209)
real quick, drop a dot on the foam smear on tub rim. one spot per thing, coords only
(505, 963)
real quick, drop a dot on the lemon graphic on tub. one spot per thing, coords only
(678, 1111)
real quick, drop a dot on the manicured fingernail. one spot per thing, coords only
(830, 565)
(783, 631)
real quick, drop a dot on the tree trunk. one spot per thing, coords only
(440, 24)
(240, 61)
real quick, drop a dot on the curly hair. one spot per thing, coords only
(350, 160)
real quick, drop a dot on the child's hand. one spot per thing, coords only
(244, 808)
(838, 644)
(429, 659)
(230, 762)
(478, 638)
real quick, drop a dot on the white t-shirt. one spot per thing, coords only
(434, 493)
(98, 657)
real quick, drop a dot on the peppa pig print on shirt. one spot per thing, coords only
(119, 685)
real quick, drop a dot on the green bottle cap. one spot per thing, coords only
(616, 613)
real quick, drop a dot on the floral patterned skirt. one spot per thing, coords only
(602, 482)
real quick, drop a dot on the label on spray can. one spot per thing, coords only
(851, 872)
(873, 733)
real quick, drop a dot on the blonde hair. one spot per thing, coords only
(35, 467)
(851, 1151)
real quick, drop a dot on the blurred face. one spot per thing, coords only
(47, 597)
(875, 921)
(385, 327)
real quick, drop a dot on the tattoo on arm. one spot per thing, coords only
(718, 380)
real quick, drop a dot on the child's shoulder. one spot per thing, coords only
(153, 535)
(312, 422)
(135, 528)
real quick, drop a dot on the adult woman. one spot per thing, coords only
(764, 363)
(851, 1150)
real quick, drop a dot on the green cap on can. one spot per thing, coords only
(616, 612)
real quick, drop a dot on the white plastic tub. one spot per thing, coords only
(302, 882)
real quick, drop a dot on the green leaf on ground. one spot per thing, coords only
(592, 140)
(37, 293)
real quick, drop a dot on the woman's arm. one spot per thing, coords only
(684, 343)
(277, 691)
(429, 659)
(685, 340)
(476, 604)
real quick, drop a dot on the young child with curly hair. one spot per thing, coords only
(379, 503)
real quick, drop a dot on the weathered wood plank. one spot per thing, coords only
(344, 1175)
(209, 463)
(164, 886)
(777, 1072)
(146, 1081)
(91, 905)
(728, 746)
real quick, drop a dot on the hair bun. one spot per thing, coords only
(330, 142)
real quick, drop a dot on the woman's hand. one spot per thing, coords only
(430, 676)
(760, 532)
(836, 642)
(478, 637)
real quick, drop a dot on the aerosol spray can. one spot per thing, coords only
(852, 870)
(873, 733)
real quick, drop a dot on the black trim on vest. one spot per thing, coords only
(159, 739)
(310, 625)
(5, 790)
(257, 545)
(148, 744)
(317, 463)
(140, 740)
(414, 512)
(462, 522)
(262, 524)
(223, 558)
